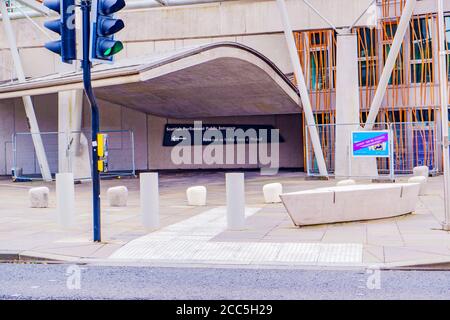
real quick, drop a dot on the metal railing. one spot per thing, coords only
(414, 144)
(121, 153)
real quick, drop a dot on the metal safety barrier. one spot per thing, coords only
(25, 166)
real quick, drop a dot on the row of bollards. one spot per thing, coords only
(235, 193)
(149, 200)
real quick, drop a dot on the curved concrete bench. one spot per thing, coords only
(351, 203)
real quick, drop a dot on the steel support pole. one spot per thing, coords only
(95, 122)
(28, 104)
(390, 63)
(444, 111)
(301, 84)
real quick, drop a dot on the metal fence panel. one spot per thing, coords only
(415, 144)
(121, 161)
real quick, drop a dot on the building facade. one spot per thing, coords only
(410, 106)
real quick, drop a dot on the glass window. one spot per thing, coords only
(367, 57)
(319, 60)
(423, 115)
(319, 69)
(421, 50)
(318, 39)
(388, 33)
(421, 73)
(366, 42)
(390, 29)
(447, 43)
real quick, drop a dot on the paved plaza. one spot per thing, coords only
(198, 235)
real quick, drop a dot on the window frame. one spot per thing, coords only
(386, 41)
(427, 60)
(370, 60)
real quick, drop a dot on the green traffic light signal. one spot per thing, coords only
(104, 27)
(110, 47)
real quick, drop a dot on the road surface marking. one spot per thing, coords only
(190, 241)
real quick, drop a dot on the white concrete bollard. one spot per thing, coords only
(347, 182)
(149, 196)
(196, 196)
(423, 183)
(421, 171)
(272, 192)
(38, 197)
(235, 191)
(117, 196)
(65, 199)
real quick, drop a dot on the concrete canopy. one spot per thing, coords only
(220, 79)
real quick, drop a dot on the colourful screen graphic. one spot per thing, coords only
(370, 144)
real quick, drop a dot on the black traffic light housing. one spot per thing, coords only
(103, 28)
(64, 26)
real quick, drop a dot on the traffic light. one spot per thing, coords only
(65, 26)
(103, 28)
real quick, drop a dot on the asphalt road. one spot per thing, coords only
(41, 281)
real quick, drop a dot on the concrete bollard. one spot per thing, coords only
(196, 196)
(235, 191)
(347, 182)
(38, 197)
(117, 196)
(272, 192)
(423, 184)
(65, 199)
(149, 197)
(421, 171)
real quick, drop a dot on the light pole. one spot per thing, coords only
(86, 64)
(444, 112)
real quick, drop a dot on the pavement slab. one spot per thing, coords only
(187, 236)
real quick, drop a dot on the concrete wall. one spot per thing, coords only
(113, 117)
(7, 125)
(13, 119)
(148, 136)
(157, 30)
(148, 31)
(291, 151)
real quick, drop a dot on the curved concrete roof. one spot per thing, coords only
(220, 79)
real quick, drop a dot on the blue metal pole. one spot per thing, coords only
(86, 64)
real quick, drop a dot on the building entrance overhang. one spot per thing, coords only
(220, 79)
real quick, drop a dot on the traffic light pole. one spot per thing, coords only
(86, 65)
